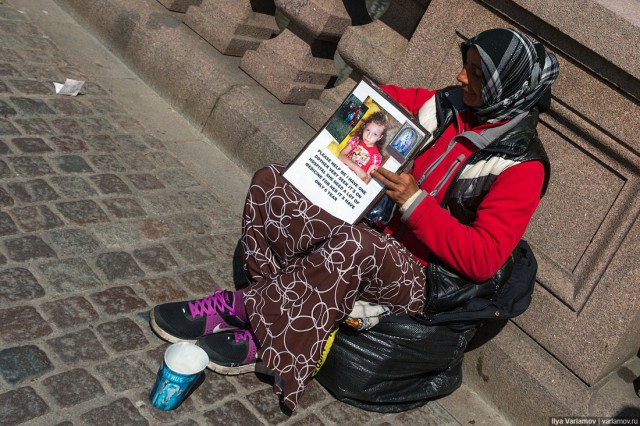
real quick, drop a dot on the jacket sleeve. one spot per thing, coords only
(477, 251)
(410, 98)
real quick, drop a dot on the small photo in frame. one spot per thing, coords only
(403, 144)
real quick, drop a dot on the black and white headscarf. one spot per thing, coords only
(517, 73)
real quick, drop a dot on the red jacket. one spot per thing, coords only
(476, 251)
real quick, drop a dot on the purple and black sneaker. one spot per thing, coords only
(231, 352)
(190, 320)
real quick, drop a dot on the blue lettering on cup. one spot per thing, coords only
(171, 387)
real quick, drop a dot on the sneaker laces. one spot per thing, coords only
(211, 305)
(252, 350)
(243, 335)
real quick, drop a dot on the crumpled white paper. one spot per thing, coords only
(366, 315)
(69, 88)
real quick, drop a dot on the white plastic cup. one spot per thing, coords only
(182, 366)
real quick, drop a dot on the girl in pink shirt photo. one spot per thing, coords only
(362, 152)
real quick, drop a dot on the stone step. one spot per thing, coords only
(196, 79)
(259, 26)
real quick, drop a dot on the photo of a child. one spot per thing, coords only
(363, 150)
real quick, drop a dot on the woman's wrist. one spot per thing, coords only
(407, 204)
(410, 205)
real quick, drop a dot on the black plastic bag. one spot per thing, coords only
(404, 362)
(381, 212)
(397, 365)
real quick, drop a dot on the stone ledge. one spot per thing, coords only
(602, 28)
(528, 385)
(255, 129)
(597, 33)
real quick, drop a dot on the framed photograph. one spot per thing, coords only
(404, 143)
(369, 130)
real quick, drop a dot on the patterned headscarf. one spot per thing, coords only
(517, 73)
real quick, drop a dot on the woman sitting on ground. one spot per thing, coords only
(467, 202)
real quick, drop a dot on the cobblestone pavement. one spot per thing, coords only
(100, 221)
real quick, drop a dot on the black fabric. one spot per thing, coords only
(381, 212)
(513, 298)
(357, 11)
(449, 290)
(520, 144)
(398, 365)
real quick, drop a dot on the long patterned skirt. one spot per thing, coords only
(307, 269)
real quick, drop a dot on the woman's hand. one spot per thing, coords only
(399, 187)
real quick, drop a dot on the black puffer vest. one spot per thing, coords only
(499, 148)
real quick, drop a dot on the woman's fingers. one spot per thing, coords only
(399, 187)
(385, 177)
